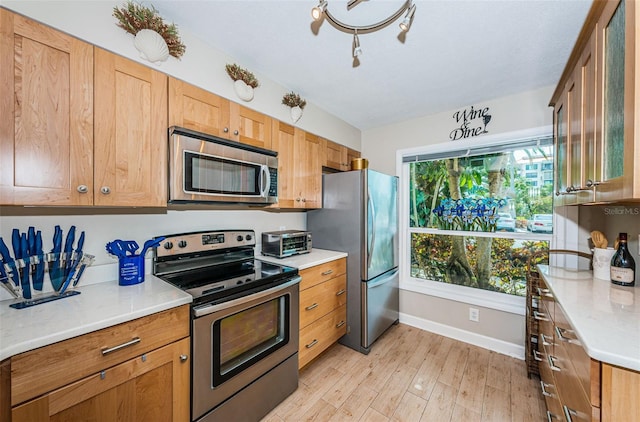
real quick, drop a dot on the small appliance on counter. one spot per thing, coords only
(284, 243)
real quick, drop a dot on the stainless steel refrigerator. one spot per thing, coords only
(359, 216)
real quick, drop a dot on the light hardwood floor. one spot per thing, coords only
(413, 375)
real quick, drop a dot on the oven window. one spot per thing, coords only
(245, 337)
(222, 176)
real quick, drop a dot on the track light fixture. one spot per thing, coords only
(321, 11)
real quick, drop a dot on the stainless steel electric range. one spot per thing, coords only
(244, 322)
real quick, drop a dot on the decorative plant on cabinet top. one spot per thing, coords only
(296, 103)
(244, 81)
(154, 39)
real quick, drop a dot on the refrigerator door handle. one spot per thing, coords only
(385, 279)
(372, 240)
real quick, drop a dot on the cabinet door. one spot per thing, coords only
(130, 133)
(620, 392)
(283, 143)
(308, 170)
(574, 129)
(196, 109)
(561, 149)
(617, 131)
(335, 156)
(591, 150)
(46, 104)
(151, 387)
(351, 155)
(250, 127)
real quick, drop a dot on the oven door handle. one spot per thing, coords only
(203, 310)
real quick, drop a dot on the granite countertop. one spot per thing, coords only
(99, 305)
(307, 260)
(606, 317)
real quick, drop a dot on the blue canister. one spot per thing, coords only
(130, 270)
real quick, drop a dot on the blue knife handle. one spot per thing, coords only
(38, 278)
(24, 277)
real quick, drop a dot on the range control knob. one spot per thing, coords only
(182, 243)
(248, 237)
(239, 238)
(168, 245)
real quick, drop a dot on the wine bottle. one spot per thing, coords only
(623, 266)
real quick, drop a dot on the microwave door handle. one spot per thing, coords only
(265, 180)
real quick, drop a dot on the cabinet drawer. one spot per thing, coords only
(50, 367)
(572, 396)
(321, 299)
(586, 369)
(549, 390)
(322, 272)
(316, 337)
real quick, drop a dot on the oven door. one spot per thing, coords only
(236, 342)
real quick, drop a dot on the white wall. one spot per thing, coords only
(501, 331)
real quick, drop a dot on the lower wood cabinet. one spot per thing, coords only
(323, 310)
(136, 371)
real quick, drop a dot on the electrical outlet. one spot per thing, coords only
(474, 315)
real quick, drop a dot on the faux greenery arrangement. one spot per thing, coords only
(133, 17)
(293, 100)
(237, 73)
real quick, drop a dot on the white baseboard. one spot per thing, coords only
(499, 346)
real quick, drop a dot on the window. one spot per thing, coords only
(466, 219)
(547, 166)
(531, 175)
(531, 167)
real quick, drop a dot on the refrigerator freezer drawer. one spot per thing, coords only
(380, 305)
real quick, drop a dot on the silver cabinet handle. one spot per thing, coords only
(183, 358)
(552, 364)
(540, 316)
(105, 190)
(131, 342)
(327, 272)
(235, 132)
(83, 189)
(544, 292)
(560, 333)
(544, 340)
(304, 199)
(543, 388)
(298, 199)
(568, 412)
(341, 292)
(536, 356)
(340, 324)
(225, 130)
(551, 416)
(310, 345)
(590, 183)
(310, 307)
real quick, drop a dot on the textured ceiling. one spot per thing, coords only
(457, 53)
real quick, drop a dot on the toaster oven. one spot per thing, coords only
(286, 243)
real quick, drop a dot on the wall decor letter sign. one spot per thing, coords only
(473, 122)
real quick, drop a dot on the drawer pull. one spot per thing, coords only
(543, 388)
(131, 342)
(310, 345)
(540, 316)
(327, 272)
(560, 333)
(552, 364)
(544, 292)
(183, 358)
(536, 356)
(310, 307)
(341, 292)
(340, 324)
(551, 417)
(544, 340)
(568, 412)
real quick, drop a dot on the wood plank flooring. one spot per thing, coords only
(413, 375)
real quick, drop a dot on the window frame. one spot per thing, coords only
(473, 296)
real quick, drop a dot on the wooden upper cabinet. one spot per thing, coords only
(196, 109)
(250, 127)
(352, 154)
(335, 156)
(46, 104)
(299, 167)
(130, 133)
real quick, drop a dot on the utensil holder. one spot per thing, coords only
(67, 267)
(602, 263)
(130, 270)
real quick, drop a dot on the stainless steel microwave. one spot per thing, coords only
(204, 168)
